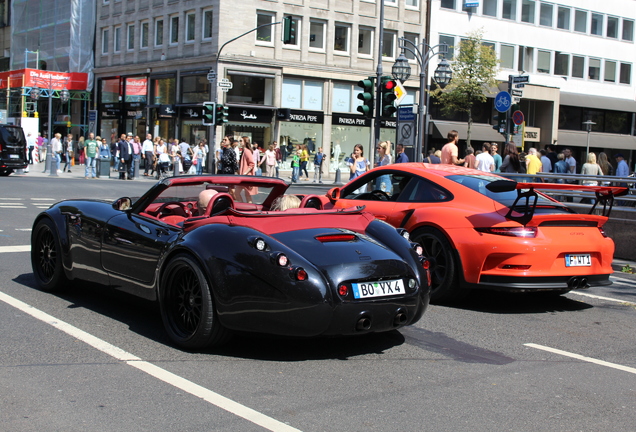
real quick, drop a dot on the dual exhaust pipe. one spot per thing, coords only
(578, 282)
(364, 321)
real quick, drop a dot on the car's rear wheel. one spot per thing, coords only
(5, 172)
(187, 306)
(444, 282)
(46, 257)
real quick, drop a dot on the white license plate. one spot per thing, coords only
(378, 289)
(14, 156)
(578, 260)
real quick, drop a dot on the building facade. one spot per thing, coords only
(153, 57)
(578, 55)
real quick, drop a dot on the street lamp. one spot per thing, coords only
(402, 70)
(588, 124)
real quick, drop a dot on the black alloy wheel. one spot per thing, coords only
(444, 281)
(46, 257)
(187, 306)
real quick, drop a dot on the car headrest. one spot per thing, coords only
(311, 201)
(219, 203)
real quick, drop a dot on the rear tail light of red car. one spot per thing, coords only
(523, 232)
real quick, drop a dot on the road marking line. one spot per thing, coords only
(631, 282)
(11, 199)
(602, 298)
(580, 357)
(4, 249)
(23, 229)
(151, 369)
(43, 199)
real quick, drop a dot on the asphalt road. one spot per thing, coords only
(85, 360)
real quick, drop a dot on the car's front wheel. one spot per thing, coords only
(444, 281)
(46, 257)
(187, 306)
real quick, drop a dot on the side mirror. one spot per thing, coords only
(333, 194)
(123, 204)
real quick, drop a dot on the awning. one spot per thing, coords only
(248, 124)
(588, 101)
(478, 131)
(602, 140)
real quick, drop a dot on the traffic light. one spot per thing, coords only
(221, 114)
(367, 86)
(208, 113)
(387, 89)
(500, 122)
(289, 30)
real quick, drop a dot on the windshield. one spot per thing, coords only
(191, 192)
(478, 184)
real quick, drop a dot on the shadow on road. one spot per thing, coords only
(518, 303)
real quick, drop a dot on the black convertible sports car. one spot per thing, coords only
(237, 265)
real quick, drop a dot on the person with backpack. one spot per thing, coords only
(319, 157)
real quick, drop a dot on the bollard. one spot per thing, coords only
(175, 171)
(136, 167)
(337, 180)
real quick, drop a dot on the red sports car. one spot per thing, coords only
(486, 231)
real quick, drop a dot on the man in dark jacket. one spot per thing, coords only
(125, 156)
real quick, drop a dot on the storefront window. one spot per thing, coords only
(250, 90)
(341, 99)
(312, 95)
(163, 91)
(343, 138)
(294, 134)
(292, 91)
(195, 89)
(136, 89)
(110, 90)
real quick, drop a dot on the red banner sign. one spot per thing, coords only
(43, 79)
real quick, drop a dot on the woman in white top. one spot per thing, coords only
(383, 182)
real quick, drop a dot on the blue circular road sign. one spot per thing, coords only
(503, 101)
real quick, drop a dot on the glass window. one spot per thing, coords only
(563, 18)
(174, 30)
(159, 32)
(163, 91)
(626, 73)
(190, 27)
(264, 34)
(292, 93)
(317, 35)
(413, 3)
(527, 11)
(580, 21)
(545, 18)
(612, 27)
(594, 69)
(388, 44)
(145, 31)
(597, 24)
(109, 90)
(207, 24)
(450, 41)
(251, 90)
(312, 95)
(341, 98)
(507, 56)
(509, 10)
(610, 71)
(195, 89)
(365, 40)
(628, 30)
(561, 63)
(413, 38)
(448, 4)
(341, 39)
(117, 40)
(490, 8)
(105, 37)
(543, 62)
(130, 37)
(578, 66)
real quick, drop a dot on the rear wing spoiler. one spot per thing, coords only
(526, 191)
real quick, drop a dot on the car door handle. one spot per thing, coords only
(122, 240)
(162, 231)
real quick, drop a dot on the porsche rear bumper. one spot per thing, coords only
(542, 283)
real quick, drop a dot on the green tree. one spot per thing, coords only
(474, 70)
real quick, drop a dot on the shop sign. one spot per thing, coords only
(192, 112)
(110, 111)
(315, 117)
(388, 124)
(136, 89)
(532, 134)
(350, 120)
(257, 115)
(134, 114)
(167, 111)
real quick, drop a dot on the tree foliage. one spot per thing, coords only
(474, 69)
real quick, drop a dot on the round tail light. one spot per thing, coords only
(343, 290)
(301, 274)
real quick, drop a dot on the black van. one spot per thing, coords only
(13, 149)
